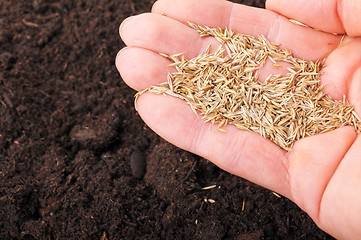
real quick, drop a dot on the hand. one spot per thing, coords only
(322, 174)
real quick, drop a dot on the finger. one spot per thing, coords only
(304, 42)
(141, 68)
(242, 153)
(340, 206)
(354, 95)
(163, 35)
(311, 164)
(341, 74)
(333, 16)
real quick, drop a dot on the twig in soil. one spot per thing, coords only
(30, 24)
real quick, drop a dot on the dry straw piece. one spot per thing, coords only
(224, 87)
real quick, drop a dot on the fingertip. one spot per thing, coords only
(121, 26)
(163, 6)
(141, 68)
(135, 29)
(118, 58)
(268, 4)
(121, 65)
(147, 30)
(155, 6)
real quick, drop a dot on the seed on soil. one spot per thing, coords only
(276, 194)
(209, 187)
(223, 85)
(137, 164)
(210, 200)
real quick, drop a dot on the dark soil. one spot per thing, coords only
(73, 149)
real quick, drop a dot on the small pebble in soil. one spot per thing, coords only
(137, 164)
(6, 60)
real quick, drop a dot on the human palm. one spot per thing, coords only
(322, 174)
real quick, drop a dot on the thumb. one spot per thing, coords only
(333, 16)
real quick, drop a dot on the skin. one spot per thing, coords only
(321, 174)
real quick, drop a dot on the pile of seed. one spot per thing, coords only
(224, 87)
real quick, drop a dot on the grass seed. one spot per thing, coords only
(224, 87)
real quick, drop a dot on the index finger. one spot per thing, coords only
(304, 42)
(333, 16)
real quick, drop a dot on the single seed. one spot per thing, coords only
(209, 187)
(276, 194)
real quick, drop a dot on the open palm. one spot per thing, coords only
(322, 174)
